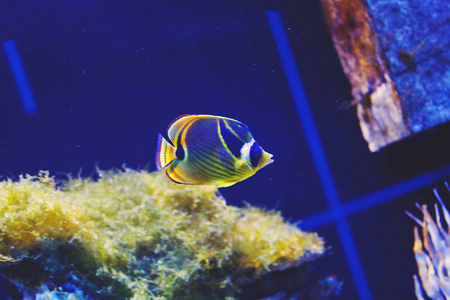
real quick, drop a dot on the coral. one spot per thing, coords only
(433, 254)
(266, 242)
(135, 235)
(33, 211)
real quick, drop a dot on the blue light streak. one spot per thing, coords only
(20, 77)
(316, 220)
(318, 155)
(379, 197)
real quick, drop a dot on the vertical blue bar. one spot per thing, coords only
(20, 77)
(318, 155)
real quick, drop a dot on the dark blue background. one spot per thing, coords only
(109, 75)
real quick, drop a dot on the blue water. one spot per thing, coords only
(105, 77)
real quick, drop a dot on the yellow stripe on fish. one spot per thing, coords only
(209, 150)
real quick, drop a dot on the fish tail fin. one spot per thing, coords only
(165, 152)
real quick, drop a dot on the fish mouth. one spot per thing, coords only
(267, 159)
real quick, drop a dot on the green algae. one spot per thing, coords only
(135, 235)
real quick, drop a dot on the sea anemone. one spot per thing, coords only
(432, 253)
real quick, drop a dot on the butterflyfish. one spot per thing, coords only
(209, 150)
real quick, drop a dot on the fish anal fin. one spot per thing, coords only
(171, 179)
(172, 173)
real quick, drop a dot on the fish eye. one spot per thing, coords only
(255, 154)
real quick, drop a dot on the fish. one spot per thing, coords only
(209, 150)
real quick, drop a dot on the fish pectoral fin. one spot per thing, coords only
(239, 163)
(227, 160)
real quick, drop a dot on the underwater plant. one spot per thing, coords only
(432, 253)
(135, 235)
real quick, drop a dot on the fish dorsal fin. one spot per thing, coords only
(179, 117)
(177, 126)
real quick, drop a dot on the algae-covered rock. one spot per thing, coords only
(135, 235)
